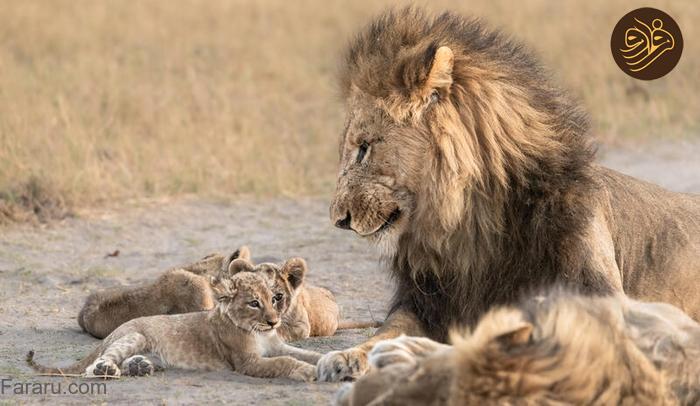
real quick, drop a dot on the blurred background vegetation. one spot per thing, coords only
(105, 101)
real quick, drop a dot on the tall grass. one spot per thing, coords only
(110, 100)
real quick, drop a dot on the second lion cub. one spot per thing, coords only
(239, 333)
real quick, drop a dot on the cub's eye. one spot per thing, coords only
(254, 304)
(362, 151)
(278, 297)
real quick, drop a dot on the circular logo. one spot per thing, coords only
(646, 43)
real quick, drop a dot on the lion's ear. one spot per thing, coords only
(426, 71)
(295, 271)
(517, 336)
(440, 75)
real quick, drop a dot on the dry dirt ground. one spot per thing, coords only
(47, 272)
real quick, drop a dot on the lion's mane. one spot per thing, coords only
(509, 195)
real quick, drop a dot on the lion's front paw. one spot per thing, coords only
(347, 365)
(102, 368)
(306, 373)
(342, 397)
(402, 349)
(138, 365)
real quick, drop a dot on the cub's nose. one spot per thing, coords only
(273, 322)
(344, 223)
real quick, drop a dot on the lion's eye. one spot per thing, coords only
(362, 151)
(254, 304)
(435, 96)
(278, 297)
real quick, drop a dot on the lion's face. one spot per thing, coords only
(380, 171)
(404, 159)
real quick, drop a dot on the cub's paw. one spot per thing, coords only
(403, 350)
(306, 373)
(101, 368)
(138, 365)
(347, 365)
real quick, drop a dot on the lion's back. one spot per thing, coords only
(657, 238)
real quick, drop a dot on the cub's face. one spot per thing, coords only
(248, 301)
(255, 297)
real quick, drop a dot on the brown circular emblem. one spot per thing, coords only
(646, 43)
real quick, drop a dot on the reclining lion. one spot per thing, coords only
(555, 349)
(475, 174)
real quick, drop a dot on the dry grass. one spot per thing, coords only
(109, 100)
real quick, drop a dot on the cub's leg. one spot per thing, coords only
(274, 347)
(278, 367)
(403, 349)
(117, 351)
(137, 365)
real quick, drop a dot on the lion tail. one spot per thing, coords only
(350, 324)
(77, 368)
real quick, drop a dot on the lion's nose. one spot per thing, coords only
(272, 322)
(345, 222)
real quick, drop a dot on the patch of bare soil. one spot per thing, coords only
(47, 272)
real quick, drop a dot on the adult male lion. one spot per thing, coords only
(476, 176)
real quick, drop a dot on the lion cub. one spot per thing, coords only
(179, 290)
(312, 310)
(238, 333)
(555, 349)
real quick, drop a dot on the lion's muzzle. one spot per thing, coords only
(366, 209)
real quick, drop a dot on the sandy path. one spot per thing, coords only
(46, 273)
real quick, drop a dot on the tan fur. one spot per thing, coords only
(560, 349)
(475, 175)
(179, 290)
(313, 311)
(238, 333)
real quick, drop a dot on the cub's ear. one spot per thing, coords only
(426, 72)
(242, 253)
(295, 271)
(239, 265)
(518, 336)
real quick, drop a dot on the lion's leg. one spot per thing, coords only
(372, 387)
(404, 349)
(120, 349)
(426, 381)
(352, 363)
(274, 347)
(277, 367)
